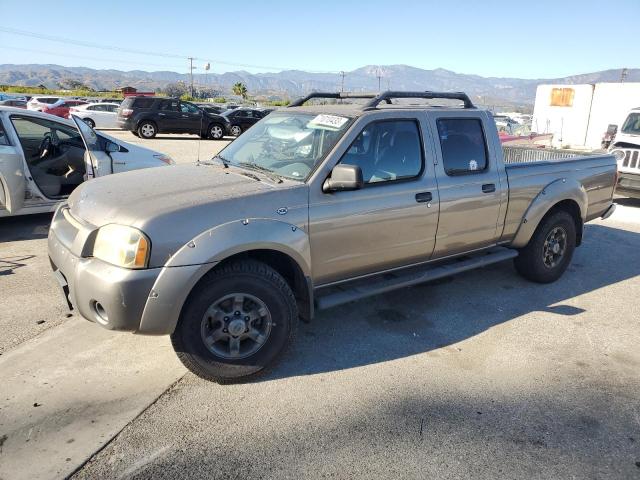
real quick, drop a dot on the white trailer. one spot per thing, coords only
(578, 115)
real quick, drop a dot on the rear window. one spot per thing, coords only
(138, 102)
(48, 100)
(464, 150)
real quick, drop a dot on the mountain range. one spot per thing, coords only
(485, 90)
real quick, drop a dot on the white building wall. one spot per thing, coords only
(568, 124)
(611, 104)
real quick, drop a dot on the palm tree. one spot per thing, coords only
(240, 89)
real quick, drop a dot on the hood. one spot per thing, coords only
(175, 203)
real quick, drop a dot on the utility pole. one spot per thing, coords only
(623, 75)
(191, 67)
(342, 84)
(379, 75)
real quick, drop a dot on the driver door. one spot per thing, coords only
(98, 162)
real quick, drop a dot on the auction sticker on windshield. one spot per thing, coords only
(328, 121)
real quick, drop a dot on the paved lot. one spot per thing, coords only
(182, 148)
(483, 375)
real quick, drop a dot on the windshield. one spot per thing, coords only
(287, 144)
(632, 124)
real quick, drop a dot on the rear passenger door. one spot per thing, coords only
(392, 220)
(472, 192)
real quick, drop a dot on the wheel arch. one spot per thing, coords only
(558, 195)
(282, 246)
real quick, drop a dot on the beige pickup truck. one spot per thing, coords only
(313, 207)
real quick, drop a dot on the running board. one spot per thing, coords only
(386, 282)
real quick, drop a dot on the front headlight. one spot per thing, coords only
(123, 246)
(165, 158)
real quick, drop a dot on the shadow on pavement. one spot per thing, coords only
(431, 316)
(628, 202)
(25, 227)
(9, 264)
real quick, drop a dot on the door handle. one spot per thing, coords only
(488, 188)
(423, 197)
(162, 114)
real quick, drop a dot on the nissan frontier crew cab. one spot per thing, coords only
(313, 207)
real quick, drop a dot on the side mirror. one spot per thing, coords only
(612, 129)
(344, 177)
(112, 147)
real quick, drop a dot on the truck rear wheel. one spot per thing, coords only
(236, 322)
(549, 252)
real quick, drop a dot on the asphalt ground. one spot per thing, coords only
(483, 375)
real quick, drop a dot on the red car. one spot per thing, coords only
(61, 107)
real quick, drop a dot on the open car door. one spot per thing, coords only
(12, 180)
(98, 162)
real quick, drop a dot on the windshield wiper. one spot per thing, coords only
(224, 161)
(269, 173)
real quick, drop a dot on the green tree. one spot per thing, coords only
(240, 89)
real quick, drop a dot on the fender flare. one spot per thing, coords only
(555, 192)
(192, 262)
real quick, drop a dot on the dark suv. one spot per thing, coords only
(241, 119)
(147, 116)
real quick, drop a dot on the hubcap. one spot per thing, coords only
(554, 247)
(216, 132)
(235, 131)
(147, 130)
(236, 326)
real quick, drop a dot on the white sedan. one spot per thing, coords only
(97, 115)
(44, 158)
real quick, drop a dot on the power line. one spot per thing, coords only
(82, 43)
(85, 57)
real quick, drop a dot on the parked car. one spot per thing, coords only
(626, 147)
(211, 108)
(148, 116)
(39, 102)
(42, 159)
(97, 115)
(242, 119)
(14, 103)
(314, 207)
(61, 107)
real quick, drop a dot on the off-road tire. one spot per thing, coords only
(530, 262)
(144, 133)
(248, 277)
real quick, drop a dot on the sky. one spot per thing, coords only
(523, 39)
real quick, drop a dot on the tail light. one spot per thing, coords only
(125, 112)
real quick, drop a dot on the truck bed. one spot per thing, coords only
(530, 170)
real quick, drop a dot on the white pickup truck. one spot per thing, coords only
(43, 159)
(626, 148)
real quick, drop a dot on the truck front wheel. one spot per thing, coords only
(549, 252)
(236, 322)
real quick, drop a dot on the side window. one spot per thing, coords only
(188, 108)
(93, 108)
(463, 145)
(169, 106)
(387, 151)
(4, 140)
(110, 108)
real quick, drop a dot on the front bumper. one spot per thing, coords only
(628, 185)
(111, 296)
(145, 301)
